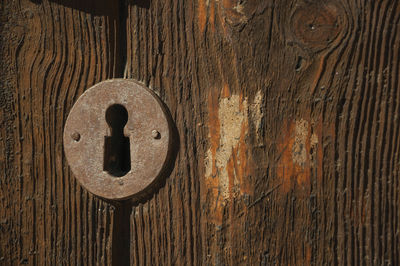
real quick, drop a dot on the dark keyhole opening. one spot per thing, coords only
(117, 154)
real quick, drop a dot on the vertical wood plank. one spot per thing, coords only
(288, 120)
(51, 51)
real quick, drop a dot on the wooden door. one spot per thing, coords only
(288, 120)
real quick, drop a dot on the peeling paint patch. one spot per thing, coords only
(233, 120)
(294, 154)
(256, 114)
(299, 153)
(227, 162)
(232, 127)
(314, 139)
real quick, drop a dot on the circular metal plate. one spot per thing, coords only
(147, 128)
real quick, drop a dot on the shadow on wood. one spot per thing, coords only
(95, 7)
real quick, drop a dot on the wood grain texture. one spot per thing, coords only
(287, 113)
(50, 53)
(288, 120)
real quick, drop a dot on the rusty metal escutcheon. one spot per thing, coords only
(117, 139)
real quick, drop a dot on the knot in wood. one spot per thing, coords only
(316, 26)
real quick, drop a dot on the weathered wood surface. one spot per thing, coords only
(50, 53)
(288, 119)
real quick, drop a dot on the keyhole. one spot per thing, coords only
(117, 154)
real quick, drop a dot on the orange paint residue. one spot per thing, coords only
(228, 4)
(308, 255)
(215, 204)
(212, 16)
(213, 127)
(212, 182)
(226, 11)
(230, 167)
(226, 92)
(202, 15)
(294, 162)
(243, 169)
